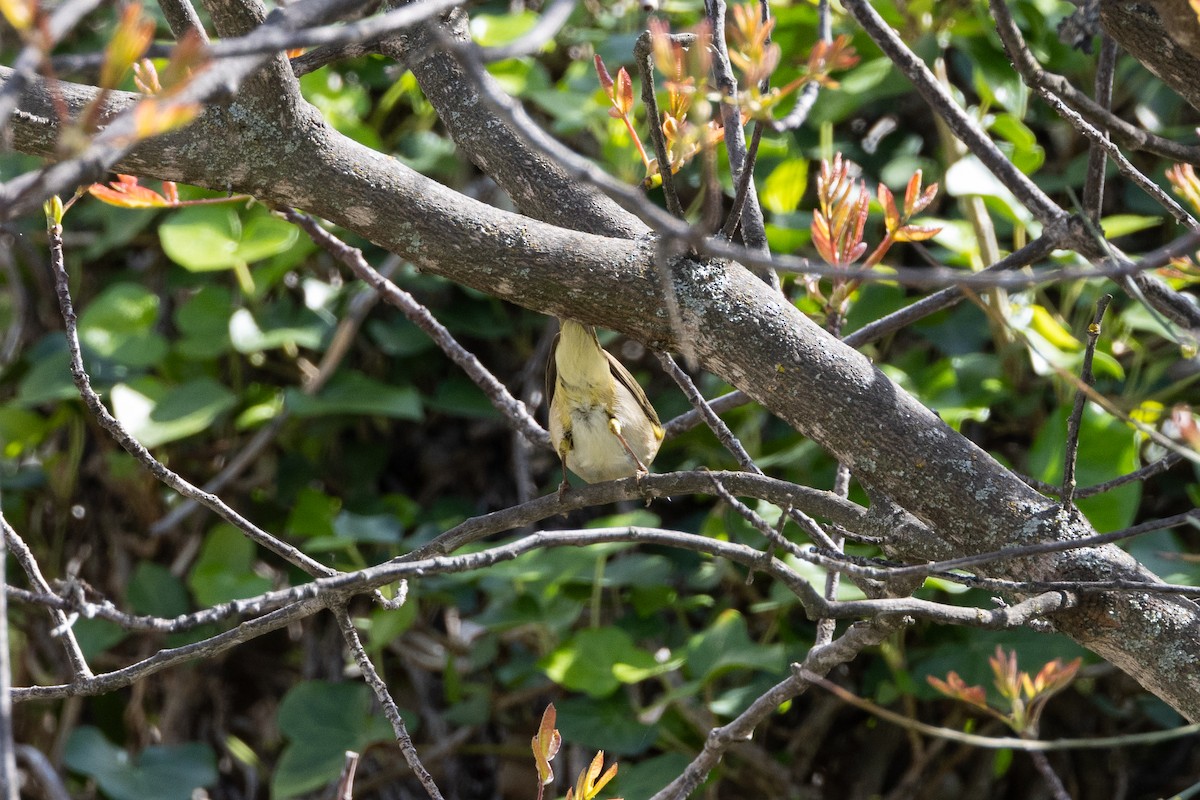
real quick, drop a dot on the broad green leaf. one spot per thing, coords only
(119, 325)
(598, 660)
(156, 413)
(153, 590)
(202, 238)
(354, 529)
(203, 321)
(490, 30)
(20, 430)
(607, 724)
(355, 393)
(323, 720)
(783, 188)
(278, 327)
(165, 772)
(210, 238)
(225, 569)
(265, 236)
(312, 513)
(726, 645)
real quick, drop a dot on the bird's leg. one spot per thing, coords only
(615, 426)
(563, 447)
(642, 470)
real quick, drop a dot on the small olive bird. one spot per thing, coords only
(601, 424)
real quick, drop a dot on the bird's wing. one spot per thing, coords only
(551, 374)
(623, 377)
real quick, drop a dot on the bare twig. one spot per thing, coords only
(753, 227)
(1036, 250)
(1093, 186)
(822, 504)
(1086, 376)
(47, 780)
(731, 443)
(8, 760)
(182, 17)
(13, 543)
(1003, 742)
(643, 55)
(690, 419)
(384, 697)
(1126, 168)
(1150, 470)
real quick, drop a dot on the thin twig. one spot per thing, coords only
(8, 759)
(731, 443)
(1053, 782)
(1150, 470)
(1124, 166)
(1057, 546)
(384, 698)
(643, 56)
(690, 419)
(754, 233)
(1003, 742)
(1073, 423)
(1093, 186)
(826, 626)
(1036, 250)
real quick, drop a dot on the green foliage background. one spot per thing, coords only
(200, 327)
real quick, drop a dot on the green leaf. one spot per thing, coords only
(1118, 225)
(312, 513)
(49, 379)
(783, 188)
(727, 645)
(203, 321)
(279, 327)
(607, 724)
(153, 590)
(156, 413)
(20, 431)
(202, 238)
(119, 325)
(167, 772)
(490, 30)
(211, 238)
(355, 393)
(265, 236)
(598, 660)
(322, 721)
(225, 569)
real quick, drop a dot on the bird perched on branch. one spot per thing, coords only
(601, 424)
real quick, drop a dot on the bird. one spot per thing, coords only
(602, 425)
